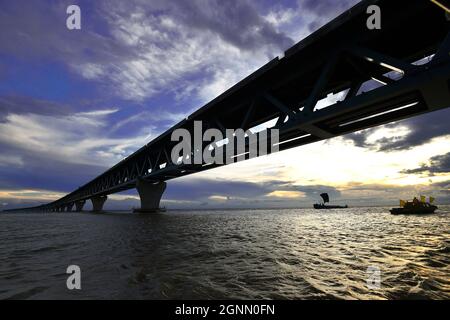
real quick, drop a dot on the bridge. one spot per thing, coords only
(399, 71)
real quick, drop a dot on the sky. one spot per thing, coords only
(75, 102)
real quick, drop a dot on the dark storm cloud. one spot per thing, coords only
(437, 164)
(38, 28)
(138, 49)
(236, 21)
(22, 105)
(422, 129)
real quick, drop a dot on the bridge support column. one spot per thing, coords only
(97, 203)
(79, 205)
(69, 207)
(150, 194)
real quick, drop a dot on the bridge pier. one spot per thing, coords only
(79, 205)
(150, 194)
(69, 207)
(97, 203)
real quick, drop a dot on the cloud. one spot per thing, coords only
(37, 172)
(7, 160)
(39, 29)
(237, 22)
(73, 138)
(323, 11)
(156, 118)
(224, 41)
(281, 16)
(437, 164)
(244, 191)
(444, 187)
(313, 191)
(325, 8)
(419, 130)
(367, 194)
(202, 189)
(138, 49)
(47, 145)
(24, 105)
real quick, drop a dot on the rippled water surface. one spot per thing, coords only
(245, 254)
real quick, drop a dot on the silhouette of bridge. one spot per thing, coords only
(399, 71)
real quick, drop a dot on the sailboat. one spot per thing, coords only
(326, 198)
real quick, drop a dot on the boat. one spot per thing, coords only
(424, 210)
(323, 206)
(326, 198)
(415, 207)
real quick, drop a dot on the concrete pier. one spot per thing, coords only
(150, 194)
(69, 207)
(97, 203)
(79, 205)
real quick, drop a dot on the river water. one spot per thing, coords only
(236, 254)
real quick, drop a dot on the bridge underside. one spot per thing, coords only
(377, 76)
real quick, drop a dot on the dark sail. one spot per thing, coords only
(325, 197)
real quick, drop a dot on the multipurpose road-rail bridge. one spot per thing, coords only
(408, 59)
